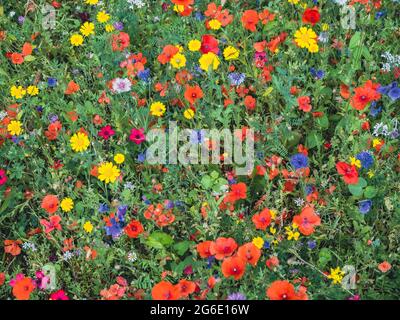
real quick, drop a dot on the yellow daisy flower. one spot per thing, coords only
(108, 172)
(76, 40)
(67, 204)
(188, 114)
(258, 242)
(214, 24)
(304, 37)
(87, 29)
(102, 17)
(119, 158)
(32, 90)
(88, 227)
(79, 142)
(194, 45)
(178, 61)
(14, 128)
(92, 2)
(157, 109)
(231, 53)
(208, 60)
(17, 92)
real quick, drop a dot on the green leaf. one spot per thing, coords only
(314, 139)
(370, 192)
(207, 182)
(29, 58)
(161, 237)
(182, 247)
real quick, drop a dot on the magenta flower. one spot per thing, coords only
(137, 136)
(59, 295)
(3, 177)
(106, 132)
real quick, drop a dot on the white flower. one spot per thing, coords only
(122, 85)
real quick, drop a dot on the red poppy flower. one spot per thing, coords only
(134, 229)
(364, 95)
(120, 42)
(12, 247)
(165, 290)
(209, 44)
(282, 290)
(262, 220)
(192, 94)
(250, 103)
(238, 191)
(182, 2)
(72, 88)
(349, 172)
(23, 288)
(17, 58)
(52, 224)
(223, 247)
(307, 220)
(304, 103)
(203, 248)
(233, 267)
(249, 253)
(250, 20)
(185, 287)
(311, 15)
(50, 203)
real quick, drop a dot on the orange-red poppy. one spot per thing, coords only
(165, 290)
(23, 288)
(307, 220)
(249, 253)
(282, 290)
(185, 287)
(250, 20)
(12, 247)
(262, 220)
(233, 267)
(72, 88)
(364, 95)
(193, 93)
(17, 58)
(168, 52)
(203, 248)
(223, 247)
(50, 203)
(134, 229)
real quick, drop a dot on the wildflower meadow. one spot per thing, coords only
(199, 150)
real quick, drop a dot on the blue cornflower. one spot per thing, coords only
(39, 108)
(121, 211)
(169, 205)
(52, 82)
(374, 110)
(299, 161)
(309, 189)
(104, 208)
(364, 206)
(115, 229)
(141, 157)
(319, 74)
(199, 16)
(267, 245)
(144, 75)
(311, 244)
(380, 14)
(391, 90)
(236, 296)
(236, 78)
(366, 159)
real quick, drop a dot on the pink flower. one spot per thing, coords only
(137, 136)
(59, 295)
(106, 132)
(53, 223)
(3, 177)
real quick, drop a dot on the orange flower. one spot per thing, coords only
(165, 290)
(23, 288)
(238, 191)
(250, 20)
(262, 220)
(182, 2)
(50, 203)
(272, 262)
(53, 130)
(192, 94)
(27, 49)
(203, 248)
(384, 266)
(223, 247)
(266, 16)
(284, 290)
(2, 278)
(250, 103)
(233, 267)
(72, 87)
(134, 229)
(17, 58)
(364, 95)
(12, 247)
(168, 52)
(307, 220)
(249, 253)
(185, 287)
